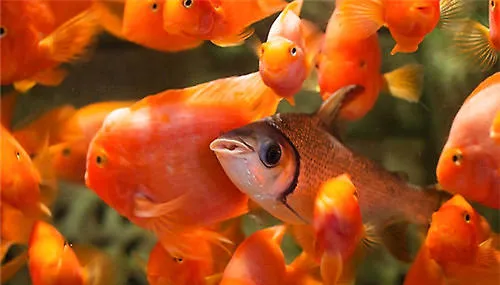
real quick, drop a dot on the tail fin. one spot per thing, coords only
(405, 82)
(70, 41)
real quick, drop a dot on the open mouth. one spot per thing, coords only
(230, 146)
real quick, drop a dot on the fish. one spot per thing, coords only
(149, 178)
(143, 24)
(223, 22)
(479, 44)
(339, 229)
(15, 227)
(408, 21)
(456, 244)
(246, 267)
(32, 52)
(287, 58)
(281, 161)
(495, 129)
(344, 60)
(52, 260)
(469, 163)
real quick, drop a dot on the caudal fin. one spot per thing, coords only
(405, 82)
(71, 40)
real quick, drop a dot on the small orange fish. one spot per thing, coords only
(287, 58)
(495, 129)
(408, 21)
(31, 55)
(344, 61)
(52, 261)
(457, 245)
(247, 266)
(224, 22)
(469, 164)
(480, 44)
(338, 227)
(149, 178)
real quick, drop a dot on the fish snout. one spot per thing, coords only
(230, 146)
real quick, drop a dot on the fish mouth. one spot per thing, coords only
(235, 146)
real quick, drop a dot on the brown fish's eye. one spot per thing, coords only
(492, 3)
(3, 32)
(467, 217)
(270, 154)
(187, 3)
(178, 259)
(66, 151)
(457, 159)
(100, 160)
(293, 51)
(154, 6)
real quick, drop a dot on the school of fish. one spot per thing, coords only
(188, 164)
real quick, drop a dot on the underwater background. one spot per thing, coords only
(401, 136)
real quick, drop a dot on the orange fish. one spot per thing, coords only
(338, 227)
(149, 178)
(15, 227)
(247, 266)
(456, 245)
(408, 21)
(344, 61)
(53, 261)
(470, 161)
(287, 58)
(63, 11)
(480, 44)
(31, 52)
(495, 128)
(223, 22)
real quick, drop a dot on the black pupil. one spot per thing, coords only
(98, 159)
(2, 31)
(66, 151)
(18, 155)
(188, 3)
(456, 158)
(294, 51)
(492, 3)
(467, 217)
(178, 260)
(273, 154)
(154, 6)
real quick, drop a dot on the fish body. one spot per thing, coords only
(31, 51)
(282, 161)
(408, 21)
(287, 57)
(149, 178)
(470, 160)
(225, 23)
(346, 60)
(143, 24)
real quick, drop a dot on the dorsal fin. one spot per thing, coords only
(330, 108)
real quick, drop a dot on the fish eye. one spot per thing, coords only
(270, 154)
(492, 3)
(457, 159)
(100, 160)
(18, 155)
(66, 151)
(187, 3)
(293, 51)
(154, 6)
(67, 243)
(178, 259)
(3, 31)
(467, 217)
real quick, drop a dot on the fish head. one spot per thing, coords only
(466, 170)
(194, 18)
(142, 17)
(283, 65)
(337, 216)
(68, 160)
(262, 163)
(495, 22)
(453, 234)
(412, 18)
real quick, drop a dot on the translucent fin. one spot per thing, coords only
(305, 238)
(487, 256)
(495, 128)
(295, 7)
(7, 107)
(472, 40)
(145, 208)
(24, 86)
(10, 269)
(452, 11)
(70, 41)
(303, 263)
(394, 237)
(371, 238)
(50, 77)
(331, 268)
(107, 18)
(214, 279)
(363, 17)
(234, 40)
(405, 82)
(43, 163)
(255, 44)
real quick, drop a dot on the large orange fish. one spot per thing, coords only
(495, 128)
(456, 249)
(52, 261)
(409, 21)
(155, 178)
(470, 161)
(224, 22)
(287, 58)
(344, 61)
(480, 44)
(30, 54)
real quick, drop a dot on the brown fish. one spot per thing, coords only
(281, 161)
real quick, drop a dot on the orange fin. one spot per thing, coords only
(472, 40)
(255, 44)
(214, 279)
(488, 256)
(295, 7)
(451, 12)
(234, 40)
(145, 208)
(70, 41)
(50, 77)
(495, 128)
(7, 107)
(10, 269)
(331, 268)
(43, 163)
(110, 20)
(272, 6)
(363, 17)
(24, 86)
(405, 82)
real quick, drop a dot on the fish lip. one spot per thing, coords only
(232, 146)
